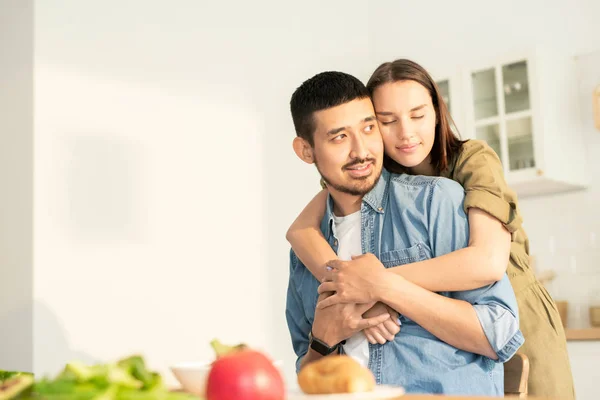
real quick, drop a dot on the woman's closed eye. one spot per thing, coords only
(387, 122)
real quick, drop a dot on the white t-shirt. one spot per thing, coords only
(348, 233)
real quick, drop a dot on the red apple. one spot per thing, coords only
(244, 375)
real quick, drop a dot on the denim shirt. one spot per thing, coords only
(406, 219)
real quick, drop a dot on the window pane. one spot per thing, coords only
(484, 94)
(516, 87)
(491, 134)
(520, 143)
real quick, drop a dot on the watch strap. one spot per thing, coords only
(321, 347)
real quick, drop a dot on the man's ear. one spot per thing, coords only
(303, 150)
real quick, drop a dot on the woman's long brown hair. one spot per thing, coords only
(446, 144)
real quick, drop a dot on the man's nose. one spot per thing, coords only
(359, 149)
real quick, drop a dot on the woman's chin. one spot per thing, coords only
(409, 162)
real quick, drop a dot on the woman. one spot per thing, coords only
(415, 126)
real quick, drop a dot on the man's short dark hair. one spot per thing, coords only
(322, 91)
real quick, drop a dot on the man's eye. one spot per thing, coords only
(387, 122)
(369, 128)
(339, 137)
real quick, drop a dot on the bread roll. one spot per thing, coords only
(335, 374)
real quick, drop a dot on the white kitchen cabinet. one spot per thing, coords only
(526, 108)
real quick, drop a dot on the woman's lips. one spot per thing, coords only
(408, 149)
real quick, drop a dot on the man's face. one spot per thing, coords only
(348, 149)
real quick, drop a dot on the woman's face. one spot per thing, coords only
(407, 123)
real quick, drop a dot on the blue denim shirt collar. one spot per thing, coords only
(374, 199)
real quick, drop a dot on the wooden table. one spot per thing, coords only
(442, 397)
(439, 397)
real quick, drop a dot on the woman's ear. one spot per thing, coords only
(303, 150)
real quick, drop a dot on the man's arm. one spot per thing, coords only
(297, 322)
(497, 312)
(450, 320)
(331, 325)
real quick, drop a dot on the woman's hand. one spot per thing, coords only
(356, 281)
(387, 330)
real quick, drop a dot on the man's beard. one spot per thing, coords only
(361, 186)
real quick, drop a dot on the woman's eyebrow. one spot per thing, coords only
(418, 107)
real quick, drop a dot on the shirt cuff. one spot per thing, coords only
(508, 351)
(501, 329)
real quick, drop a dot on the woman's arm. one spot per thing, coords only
(306, 237)
(482, 263)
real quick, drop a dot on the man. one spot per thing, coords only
(451, 343)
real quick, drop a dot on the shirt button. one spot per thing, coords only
(380, 208)
(335, 242)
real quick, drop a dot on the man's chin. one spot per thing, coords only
(353, 185)
(360, 188)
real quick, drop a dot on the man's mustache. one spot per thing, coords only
(358, 162)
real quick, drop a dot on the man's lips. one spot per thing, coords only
(359, 170)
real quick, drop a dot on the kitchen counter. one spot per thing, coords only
(583, 334)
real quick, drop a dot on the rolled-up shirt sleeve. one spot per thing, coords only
(497, 311)
(501, 327)
(479, 170)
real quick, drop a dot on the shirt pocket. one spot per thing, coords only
(393, 258)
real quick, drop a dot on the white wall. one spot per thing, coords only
(149, 185)
(16, 176)
(164, 174)
(445, 35)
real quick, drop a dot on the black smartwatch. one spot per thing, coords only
(321, 347)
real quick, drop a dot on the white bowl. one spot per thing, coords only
(192, 375)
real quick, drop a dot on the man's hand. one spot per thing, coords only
(387, 330)
(356, 281)
(339, 322)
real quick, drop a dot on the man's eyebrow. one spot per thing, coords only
(335, 131)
